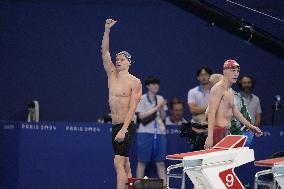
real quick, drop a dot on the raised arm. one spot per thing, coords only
(214, 101)
(108, 65)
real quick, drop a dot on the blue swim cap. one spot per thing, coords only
(126, 54)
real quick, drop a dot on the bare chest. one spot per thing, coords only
(119, 87)
(228, 100)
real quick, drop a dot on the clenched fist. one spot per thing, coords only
(109, 23)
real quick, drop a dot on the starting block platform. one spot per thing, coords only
(276, 168)
(213, 168)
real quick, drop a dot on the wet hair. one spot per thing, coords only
(206, 69)
(151, 80)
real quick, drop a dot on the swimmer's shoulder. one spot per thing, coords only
(134, 79)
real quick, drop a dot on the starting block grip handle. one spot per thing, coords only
(231, 141)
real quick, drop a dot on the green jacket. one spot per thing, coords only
(236, 125)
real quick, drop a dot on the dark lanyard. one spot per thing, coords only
(155, 126)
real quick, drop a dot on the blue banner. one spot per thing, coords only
(79, 155)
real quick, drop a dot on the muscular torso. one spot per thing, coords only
(119, 96)
(225, 110)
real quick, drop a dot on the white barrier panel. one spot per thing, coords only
(277, 169)
(278, 172)
(214, 168)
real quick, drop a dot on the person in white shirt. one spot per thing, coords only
(198, 96)
(151, 134)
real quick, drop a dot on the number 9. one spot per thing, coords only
(229, 180)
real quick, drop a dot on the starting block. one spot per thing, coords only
(276, 168)
(214, 168)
